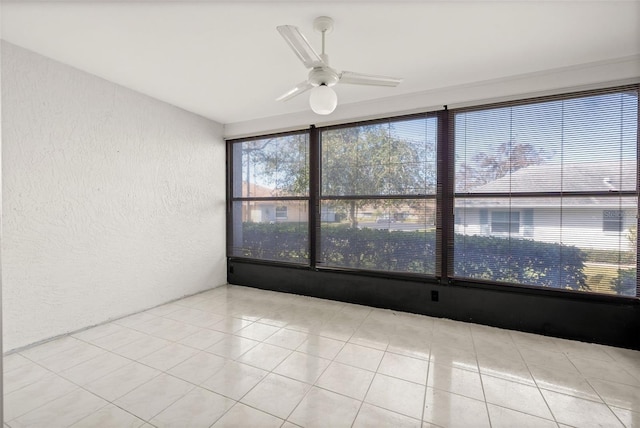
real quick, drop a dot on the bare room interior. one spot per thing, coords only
(320, 214)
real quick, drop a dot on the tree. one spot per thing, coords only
(507, 158)
(626, 282)
(374, 160)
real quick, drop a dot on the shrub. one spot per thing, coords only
(287, 242)
(625, 284)
(518, 261)
(522, 261)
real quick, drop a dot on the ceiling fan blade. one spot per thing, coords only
(300, 46)
(300, 88)
(368, 79)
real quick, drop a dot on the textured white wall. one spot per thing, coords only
(113, 201)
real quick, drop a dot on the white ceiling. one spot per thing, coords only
(227, 62)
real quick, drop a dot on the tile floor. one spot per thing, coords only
(237, 356)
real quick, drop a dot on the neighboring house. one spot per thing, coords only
(271, 211)
(587, 221)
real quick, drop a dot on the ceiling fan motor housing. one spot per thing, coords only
(323, 76)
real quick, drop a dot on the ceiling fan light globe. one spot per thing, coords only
(323, 100)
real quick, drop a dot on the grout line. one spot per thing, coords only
(326, 313)
(536, 385)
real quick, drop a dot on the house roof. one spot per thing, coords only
(575, 177)
(257, 191)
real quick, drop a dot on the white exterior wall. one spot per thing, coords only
(113, 201)
(581, 227)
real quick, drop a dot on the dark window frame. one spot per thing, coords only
(445, 197)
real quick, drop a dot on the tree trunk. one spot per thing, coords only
(352, 214)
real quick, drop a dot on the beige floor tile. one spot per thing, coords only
(24, 375)
(497, 348)
(242, 416)
(198, 368)
(372, 416)
(286, 338)
(36, 394)
(265, 356)
(445, 409)
(63, 411)
(303, 367)
(360, 356)
(542, 356)
(198, 408)
(569, 383)
(231, 324)
(232, 347)
(14, 361)
(322, 347)
(122, 381)
(71, 357)
(618, 394)
(507, 418)
(515, 396)
(195, 317)
(141, 347)
(403, 367)
(168, 329)
(257, 331)
(445, 355)
(455, 380)
(48, 349)
(579, 412)
(606, 370)
(289, 393)
(234, 380)
(170, 356)
(414, 346)
(165, 309)
(321, 408)
(509, 369)
(371, 338)
(94, 333)
(318, 363)
(152, 397)
(203, 339)
(95, 368)
(346, 380)
(118, 339)
(629, 419)
(397, 395)
(109, 416)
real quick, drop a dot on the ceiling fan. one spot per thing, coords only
(322, 77)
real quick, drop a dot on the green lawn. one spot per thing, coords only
(599, 277)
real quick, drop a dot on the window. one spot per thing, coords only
(540, 193)
(270, 198)
(281, 212)
(505, 222)
(562, 162)
(459, 217)
(377, 198)
(612, 221)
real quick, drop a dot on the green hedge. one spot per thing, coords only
(287, 242)
(626, 282)
(508, 260)
(521, 261)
